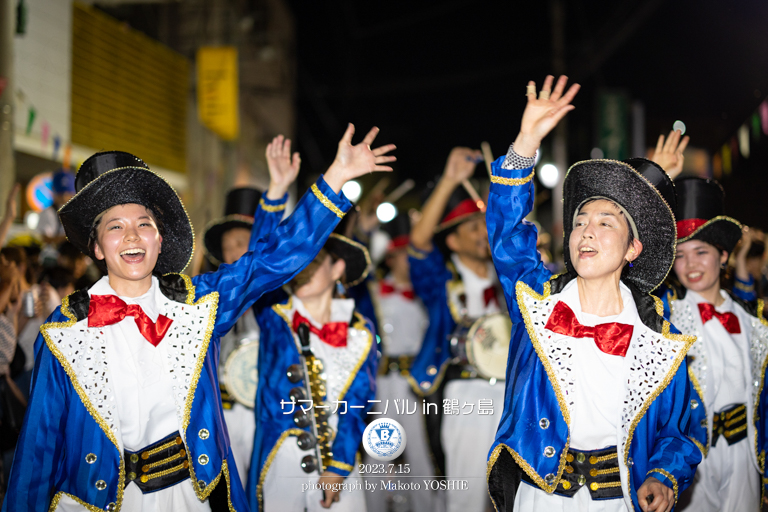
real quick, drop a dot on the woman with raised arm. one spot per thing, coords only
(597, 403)
(125, 411)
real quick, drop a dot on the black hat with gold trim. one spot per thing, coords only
(460, 207)
(354, 254)
(700, 216)
(113, 178)
(644, 193)
(239, 208)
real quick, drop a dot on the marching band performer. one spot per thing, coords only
(340, 395)
(125, 411)
(403, 321)
(455, 279)
(727, 362)
(226, 240)
(598, 401)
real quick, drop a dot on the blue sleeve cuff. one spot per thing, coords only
(666, 478)
(418, 253)
(337, 203)
(273, 205)
(340, 468)
(745, 286)
(503, 180)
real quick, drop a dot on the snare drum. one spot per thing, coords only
(241, 375)
(459, 341)
(487, 345)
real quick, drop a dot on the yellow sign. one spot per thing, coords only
(217, 90)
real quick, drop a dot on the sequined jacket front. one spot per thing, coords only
(752, 318)
(534, 434)
(279, 348)
(70, 441)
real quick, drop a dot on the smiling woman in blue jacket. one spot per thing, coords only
(597, 404)
(125, 411)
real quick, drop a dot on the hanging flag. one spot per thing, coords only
(45, 132)
(67, 159)
(31, 119)
(725, 152)
(717, 166)
(56, 145)
(755, 127)
(3, 83)
(743, 135)
(763, 110)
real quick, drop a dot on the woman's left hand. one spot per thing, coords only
(663, 496)
(283, 167)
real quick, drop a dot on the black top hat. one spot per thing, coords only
(239, 208)
(460, 207)
(644, 194)
(700, 214)
(354, 254)
(112, 178)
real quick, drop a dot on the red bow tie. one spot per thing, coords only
(110, 309)
(333, 333)
(612, 337)
(729, 320)
(387, 289)
(489, 295)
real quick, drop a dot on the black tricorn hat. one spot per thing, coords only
(113, 178)
(354, 254)
(460, 207)
(644, 193)
(239, 208)
(700, 214)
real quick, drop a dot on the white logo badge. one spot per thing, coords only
(384, 439)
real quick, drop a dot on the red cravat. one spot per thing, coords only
(333, 333)
(387, 288)
(612, 337)
(729, 320)
(489, 295)
(110, 309)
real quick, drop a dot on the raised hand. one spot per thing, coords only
(669, 153)
(542, 114)
(11, 206)
(461, 164)
(354, 161)
(283, 167)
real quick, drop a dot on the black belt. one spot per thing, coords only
(731, 424)
(395, 364)
(159, 465)
(597, 469)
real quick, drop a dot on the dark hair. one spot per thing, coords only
(309, 271)
(15, 254)
(93, 236)
(59, 277)
(68, 250)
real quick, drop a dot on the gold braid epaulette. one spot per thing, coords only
(512, 181)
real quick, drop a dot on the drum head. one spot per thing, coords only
(488, 345)
(241, 375)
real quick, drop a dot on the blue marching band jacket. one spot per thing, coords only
(534, 433)
(70, 442)
(752, 316)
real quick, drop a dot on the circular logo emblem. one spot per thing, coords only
(384, 439)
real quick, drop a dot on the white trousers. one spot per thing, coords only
(725, 481)
(287, 488)
(241, 425)
(532, 499)
(393, 387)
(467, 439)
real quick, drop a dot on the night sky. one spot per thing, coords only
(433, 75)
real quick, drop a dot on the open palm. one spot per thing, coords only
(353, 161)
(543, 113)
(283, 167)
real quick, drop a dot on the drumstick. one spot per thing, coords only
(400, 191)
(471, 191)
(649, 498)
(487, 156)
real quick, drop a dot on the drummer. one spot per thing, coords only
(453, 275)
(226, 241)
(597, 406)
